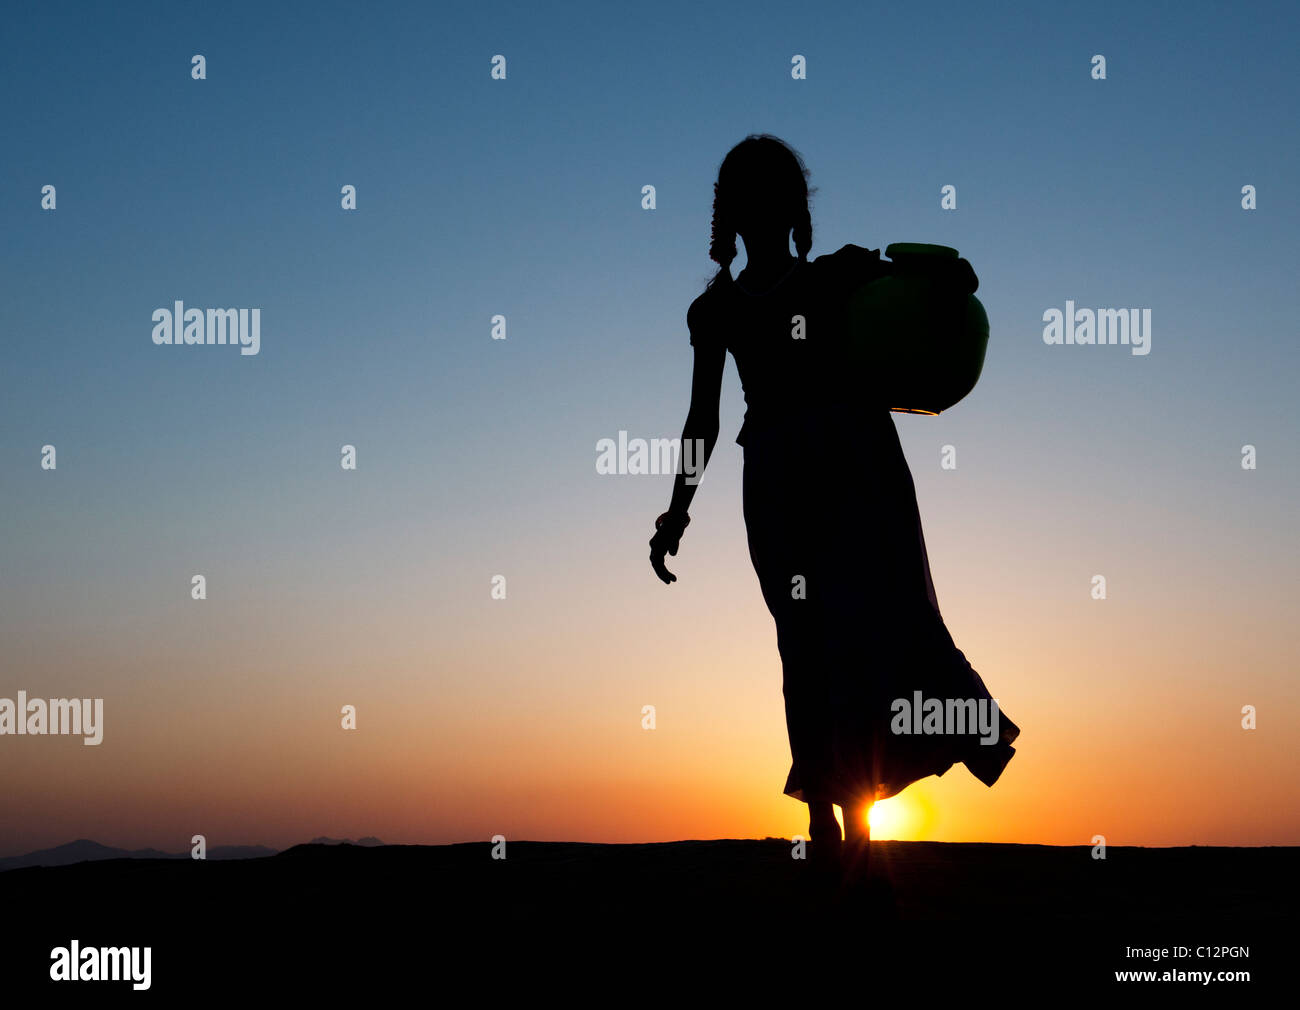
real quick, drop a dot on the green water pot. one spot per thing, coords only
(916, 336)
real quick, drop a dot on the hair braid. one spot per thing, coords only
(722, 240)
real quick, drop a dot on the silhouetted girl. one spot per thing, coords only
(830, 511)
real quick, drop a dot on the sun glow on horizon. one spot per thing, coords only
(894, 818)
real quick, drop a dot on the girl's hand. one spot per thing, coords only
(667, 538)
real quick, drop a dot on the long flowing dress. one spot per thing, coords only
(877, 694)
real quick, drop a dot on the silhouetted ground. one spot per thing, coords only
(638, 918)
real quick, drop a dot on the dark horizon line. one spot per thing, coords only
(371, 842)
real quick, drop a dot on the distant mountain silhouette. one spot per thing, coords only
(85, 850)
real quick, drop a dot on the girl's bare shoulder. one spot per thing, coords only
(702, 314)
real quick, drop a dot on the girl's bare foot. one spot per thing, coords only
(823, 837)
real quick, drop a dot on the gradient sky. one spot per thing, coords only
(477, 457)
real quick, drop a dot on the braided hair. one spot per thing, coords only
(759, 163)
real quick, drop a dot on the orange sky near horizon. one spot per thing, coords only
(522, 717)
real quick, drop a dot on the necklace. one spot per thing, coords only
(783, 279)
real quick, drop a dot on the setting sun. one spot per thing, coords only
(885, 817)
